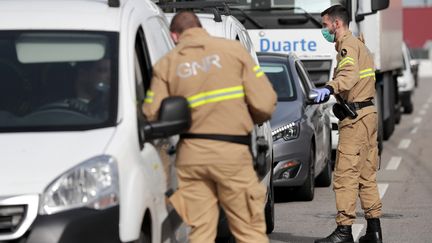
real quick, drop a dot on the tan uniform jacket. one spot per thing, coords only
(354, 76)
(226, 90)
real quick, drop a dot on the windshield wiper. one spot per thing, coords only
(306, 13)
(248, 17)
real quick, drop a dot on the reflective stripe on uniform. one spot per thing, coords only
(345, 61)
(368, 72)
(149, 97)
(258, 71)
(216, 95)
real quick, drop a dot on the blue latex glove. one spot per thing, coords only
(323, 93)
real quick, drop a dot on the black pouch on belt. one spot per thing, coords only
(339, 111)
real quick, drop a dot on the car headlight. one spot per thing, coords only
(287, 132)
(92, 184)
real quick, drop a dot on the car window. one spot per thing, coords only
(58, 80)
(281, 80)
(306, 84)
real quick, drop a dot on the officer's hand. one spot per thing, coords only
(322, 94)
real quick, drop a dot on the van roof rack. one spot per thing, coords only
(218, 8)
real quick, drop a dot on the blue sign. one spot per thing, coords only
(267, 45)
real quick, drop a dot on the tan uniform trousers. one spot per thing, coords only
(235, 187)
(355, 170)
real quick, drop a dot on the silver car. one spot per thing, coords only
(301, 129)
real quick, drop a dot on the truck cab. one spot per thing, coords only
(78, 159)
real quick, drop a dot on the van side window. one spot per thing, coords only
(142, 69)
(159, 44)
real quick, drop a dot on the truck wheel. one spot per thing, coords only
(378, 98)
(389, 123)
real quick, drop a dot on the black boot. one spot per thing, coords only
(373, 232)
(342, 233)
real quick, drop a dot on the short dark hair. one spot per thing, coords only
(337, 11)
(184, 20)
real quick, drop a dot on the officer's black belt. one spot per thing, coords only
(240, 139)
(361, 105)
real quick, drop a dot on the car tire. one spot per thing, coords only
(325, 178)
(307, 190)
(269, 209)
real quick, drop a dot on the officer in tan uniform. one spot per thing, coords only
(353, 84)
(227, 93)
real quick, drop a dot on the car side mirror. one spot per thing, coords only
(312, 96)
(174, 118)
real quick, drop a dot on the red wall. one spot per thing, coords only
(417, 26)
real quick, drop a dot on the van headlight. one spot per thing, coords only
(287, 132)
(92, 184)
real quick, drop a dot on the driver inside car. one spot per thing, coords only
(92, 87)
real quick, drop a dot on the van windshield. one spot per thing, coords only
(57, 80)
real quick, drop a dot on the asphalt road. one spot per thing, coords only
(404, 181)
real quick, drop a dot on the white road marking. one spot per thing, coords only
(422, 112)
(382, 188)
(394, 163)
(414, 130)
(356, 230)
(417, 120)
(426, 106)
(404, 143)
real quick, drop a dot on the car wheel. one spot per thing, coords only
(325, 178)
(269, 209)
(307, 190)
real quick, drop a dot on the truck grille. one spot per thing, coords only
(11, 218)
(319, 71)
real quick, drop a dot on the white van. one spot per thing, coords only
(223, 25)
(406, 82)
(76, 165)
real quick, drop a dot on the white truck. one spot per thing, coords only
(294, 26)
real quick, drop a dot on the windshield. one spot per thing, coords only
(51, 80)
(280, 79)
(310, 6)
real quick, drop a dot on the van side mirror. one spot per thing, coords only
(174, 118)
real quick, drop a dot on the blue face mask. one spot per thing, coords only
(327, 35)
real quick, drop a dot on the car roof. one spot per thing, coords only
(65, 14)
(277, 56)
